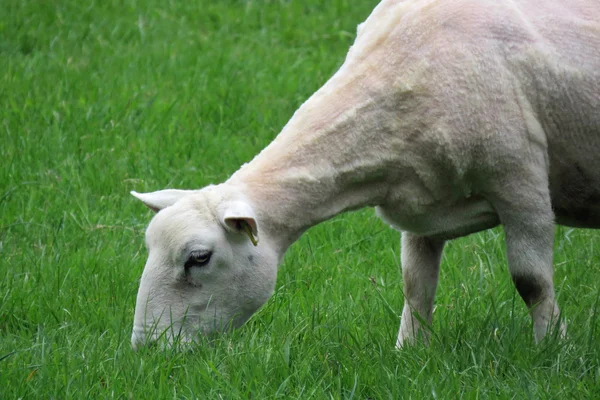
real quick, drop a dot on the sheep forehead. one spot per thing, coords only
(193, 215)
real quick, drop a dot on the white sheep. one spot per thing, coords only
(450, 117)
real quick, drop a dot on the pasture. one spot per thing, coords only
(100, 98)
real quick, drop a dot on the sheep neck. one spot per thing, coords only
(328, 159)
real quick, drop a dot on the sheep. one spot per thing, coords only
(448, 117)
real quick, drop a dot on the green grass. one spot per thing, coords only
(99, 98)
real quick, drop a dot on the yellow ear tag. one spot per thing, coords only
(250, 234)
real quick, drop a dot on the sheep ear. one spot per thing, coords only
(158, 200)
(238, 216)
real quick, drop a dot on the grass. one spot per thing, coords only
(99, 98)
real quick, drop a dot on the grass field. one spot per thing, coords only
(103, 97)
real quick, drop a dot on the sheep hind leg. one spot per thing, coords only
(420, 260)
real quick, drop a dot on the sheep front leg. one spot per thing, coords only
(529, 246)
(522, 201)
(420, 262)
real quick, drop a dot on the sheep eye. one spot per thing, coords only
(198, 259)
